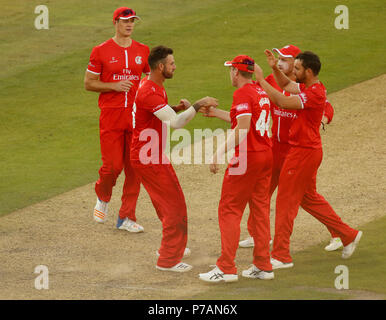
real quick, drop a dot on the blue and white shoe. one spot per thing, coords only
(129, 225)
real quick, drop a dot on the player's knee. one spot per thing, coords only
(113, 169)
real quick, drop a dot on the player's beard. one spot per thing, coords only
(300, 78)
(167, 75)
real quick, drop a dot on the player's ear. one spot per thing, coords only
(309, 72)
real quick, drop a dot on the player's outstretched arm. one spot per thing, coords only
(282, 101)
(217, 113)
(167, 114)
(281, 79)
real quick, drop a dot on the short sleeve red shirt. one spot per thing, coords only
(281, 118)
(304, 131)
(115, 63)
(149, 133)
(252, 100)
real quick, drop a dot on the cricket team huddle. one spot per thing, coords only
(291, 97)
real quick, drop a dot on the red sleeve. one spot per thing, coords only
(312, 97)
(146, 68)
(95, 64)
(155, 102)
(328, 111)
(241, 104)
(143, 80)
(270, 79)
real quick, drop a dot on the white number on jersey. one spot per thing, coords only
(264, 101)
(261, 125)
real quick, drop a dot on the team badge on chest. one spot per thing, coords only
(138, 60)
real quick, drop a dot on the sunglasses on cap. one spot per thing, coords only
(127, 12)
(250, 64)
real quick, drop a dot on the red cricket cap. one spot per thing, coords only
(289, 51)
(124, 13)
(242, 62)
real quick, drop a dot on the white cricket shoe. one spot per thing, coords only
(250, 243)
(335, 244)
(247, 243)
(187, 252)
(129, 225)
(216, 275)
(179, 267)
(100, 211)
(350, 248)
(276, 264)
(255, 273)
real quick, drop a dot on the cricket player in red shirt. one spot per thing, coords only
(297, 181)
(249, 117)
(115, 70)
(151, 114)
(282, 120)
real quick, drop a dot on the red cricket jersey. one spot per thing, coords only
(304, 132)
(252, 100)
(281, 118)
(150, 98)
(115, 63)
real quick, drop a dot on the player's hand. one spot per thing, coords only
(183, 105)
(258, 73)
(208, 111)
(206, 102)
(122, 86)
(213, 167)
(323, 123)
(271, 59)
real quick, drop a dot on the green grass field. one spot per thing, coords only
(49, 139)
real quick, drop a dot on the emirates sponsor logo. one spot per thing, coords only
(284, 114)
(119, 77)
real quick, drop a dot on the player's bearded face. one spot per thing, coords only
(299, 71)
(168, 67)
